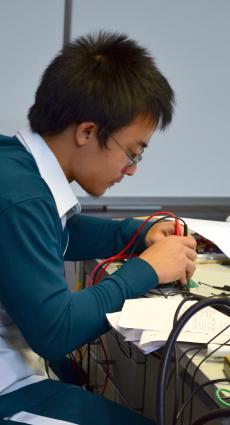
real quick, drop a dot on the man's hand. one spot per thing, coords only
(159, 231)
(173, 258)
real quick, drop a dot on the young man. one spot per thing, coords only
(96, 108)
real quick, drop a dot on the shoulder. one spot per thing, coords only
(20, 180)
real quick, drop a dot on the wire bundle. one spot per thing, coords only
(123, 255)
(98, 271)
(220, 303)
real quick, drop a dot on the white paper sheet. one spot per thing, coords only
(215, 231)
(148, 313)
(155, 337)
(128, 334)
(158, 314)
(201, 329)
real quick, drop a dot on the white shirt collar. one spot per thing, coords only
(51, 172)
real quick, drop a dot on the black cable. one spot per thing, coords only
(200, 347)
(198, 350)
(139, 240)
(225, 309)
(205, 384)
(198, 367)
(190, 297)
(176, 370)
(214, 414)
(160, 402)
(184, 292)
(162, 293)
(221, 288)
(177, 398)
(120, 260)
(163, 218)
(179, 360)
(97, 272)
(176, 389)
(173, 371)
(176, 404)
(185, 228)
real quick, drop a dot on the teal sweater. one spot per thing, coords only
(33, 290)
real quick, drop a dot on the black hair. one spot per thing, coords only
(106, 78)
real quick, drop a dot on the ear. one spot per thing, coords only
(85, 132)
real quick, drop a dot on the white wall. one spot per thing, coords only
(190, 41)
(31, 33)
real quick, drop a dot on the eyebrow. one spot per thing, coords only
(142, 144)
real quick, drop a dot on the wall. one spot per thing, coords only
(190, 41)
(31, 33)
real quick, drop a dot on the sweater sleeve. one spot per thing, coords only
(33, 289)
(93, 237)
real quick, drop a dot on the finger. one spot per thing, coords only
(183, 280)
(171, 225)
(191, 254)
(188, 241)
(168, 228)
(182, 229)
(190, 269)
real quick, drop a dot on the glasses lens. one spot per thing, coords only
(134, 159)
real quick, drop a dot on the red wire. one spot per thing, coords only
(107, 367)
(120, 254)
(177, 227)
(103, 269)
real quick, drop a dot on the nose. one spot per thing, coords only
(130, 171)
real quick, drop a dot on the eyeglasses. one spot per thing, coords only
(133, 158)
